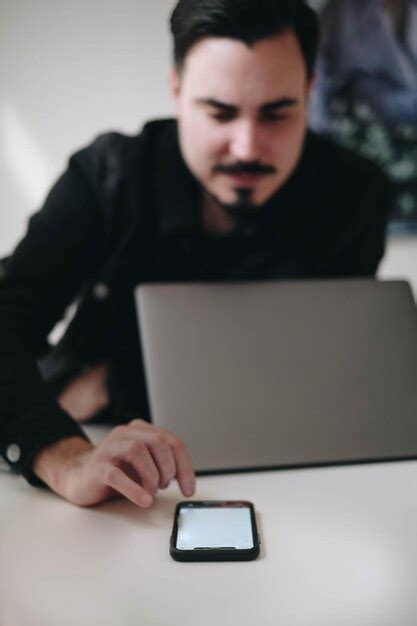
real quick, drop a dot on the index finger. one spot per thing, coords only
(185, 472)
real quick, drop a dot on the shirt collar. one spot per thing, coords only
(175, 189)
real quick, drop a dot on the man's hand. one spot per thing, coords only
(134, 460)
(86, 394)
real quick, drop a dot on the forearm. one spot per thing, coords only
(63, 246)
(30, 418)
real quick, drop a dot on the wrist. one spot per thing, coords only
(52, 463)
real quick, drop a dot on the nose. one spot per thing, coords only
(245, 143)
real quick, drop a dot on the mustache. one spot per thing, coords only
(245, 168)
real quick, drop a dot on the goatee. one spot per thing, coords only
(243, 207)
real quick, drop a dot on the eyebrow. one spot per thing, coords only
(280, 103)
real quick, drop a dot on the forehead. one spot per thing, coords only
(230, 70)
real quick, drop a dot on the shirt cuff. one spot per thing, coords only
(25, 436)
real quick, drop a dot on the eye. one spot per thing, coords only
(274, 117)
(222, 117)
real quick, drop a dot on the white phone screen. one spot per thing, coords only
(214, 527)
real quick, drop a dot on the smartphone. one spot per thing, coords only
(214, 530)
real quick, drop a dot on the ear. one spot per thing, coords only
(174, 82)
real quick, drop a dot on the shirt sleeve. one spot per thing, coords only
(63, 244)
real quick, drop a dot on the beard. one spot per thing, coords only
(243, 208)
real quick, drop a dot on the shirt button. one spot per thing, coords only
(13, 453)
(101, 291)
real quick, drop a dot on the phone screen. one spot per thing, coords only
(217, 526)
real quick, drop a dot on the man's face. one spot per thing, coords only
(242, 115)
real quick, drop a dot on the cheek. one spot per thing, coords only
(202, 139)
(288, 143)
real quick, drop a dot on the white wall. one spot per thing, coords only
(70, 70)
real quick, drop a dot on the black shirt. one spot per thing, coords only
(127, 211)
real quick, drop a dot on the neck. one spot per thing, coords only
(215, 219)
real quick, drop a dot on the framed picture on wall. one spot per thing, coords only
(365, 95)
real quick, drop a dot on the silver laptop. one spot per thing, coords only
(283, 374)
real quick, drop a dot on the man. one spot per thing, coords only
(234, 192)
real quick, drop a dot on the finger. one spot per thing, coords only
(185, 472)
(115, 478)
(140, 423)
(165, 461)
(126, 447)
(157, 441)
(184, 468)
(138, 455)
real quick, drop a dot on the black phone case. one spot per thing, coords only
(214, 554)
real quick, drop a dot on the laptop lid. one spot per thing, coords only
(278, 374)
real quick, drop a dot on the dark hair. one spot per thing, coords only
(245, 20)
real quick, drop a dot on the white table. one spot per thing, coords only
(338, 549)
